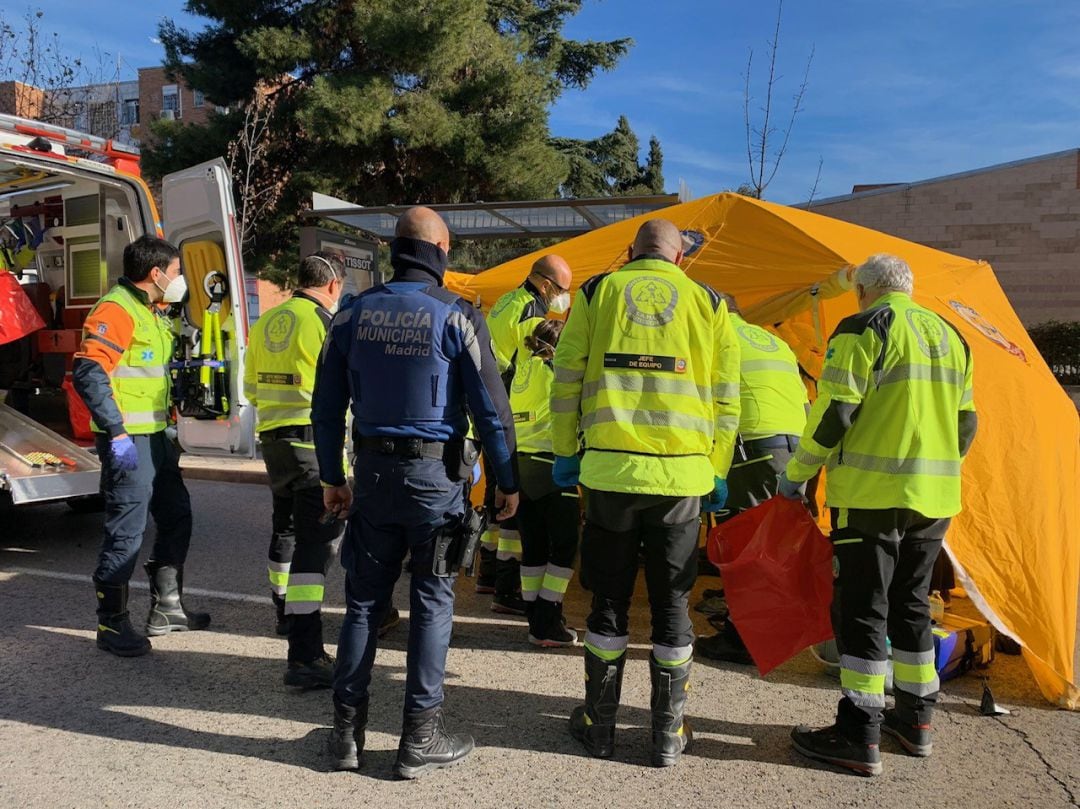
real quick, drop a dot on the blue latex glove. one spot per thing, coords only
(566, 471)
(476, 473)
(124, 453)
(715, 500)
(790, 489)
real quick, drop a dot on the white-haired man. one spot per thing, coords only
(893, 420)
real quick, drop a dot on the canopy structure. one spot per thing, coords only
(1016, 544)
(543, 218)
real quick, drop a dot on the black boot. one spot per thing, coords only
(114, 630)
(593, 724)
(508, 600)
(485, 575)
(425, 745)
(346, 743)
(833, 747)
(317, 673)
(167, 613)
(671, 733)
(284, 622)
(550, 630)
(917, 738)
(726, 645)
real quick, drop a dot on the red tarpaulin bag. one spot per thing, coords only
(778, 579)
(18, 315)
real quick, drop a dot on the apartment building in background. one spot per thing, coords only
(1022, 217)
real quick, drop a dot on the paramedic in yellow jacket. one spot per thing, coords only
(892, 422)
(279, 377)
(513, 317)
(648, 369)
(549, 516)
(772, 417)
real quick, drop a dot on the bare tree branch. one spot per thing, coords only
(764, 163)
(817, 179)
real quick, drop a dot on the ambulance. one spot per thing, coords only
(69, 205)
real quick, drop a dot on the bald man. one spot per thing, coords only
(513, 318)
(416, 362)
(648, 368)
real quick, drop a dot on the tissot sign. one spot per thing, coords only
(361, 257)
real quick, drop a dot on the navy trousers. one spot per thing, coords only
(400, 505)
(154, 486)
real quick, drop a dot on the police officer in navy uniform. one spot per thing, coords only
(416, 362)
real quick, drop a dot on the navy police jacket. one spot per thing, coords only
(416, 362)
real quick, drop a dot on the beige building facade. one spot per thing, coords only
(1022, 217)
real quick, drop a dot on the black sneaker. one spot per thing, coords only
(550, 631)
(832, 747)
(319, 673)
(721, 647)
(508, 604)
(390, 620)
(915, 739)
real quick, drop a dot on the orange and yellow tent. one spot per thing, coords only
(1016, 545)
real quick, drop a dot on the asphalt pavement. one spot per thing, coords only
(205, 721)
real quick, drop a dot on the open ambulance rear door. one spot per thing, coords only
(200, 219)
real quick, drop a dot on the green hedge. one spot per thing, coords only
(1059, 343)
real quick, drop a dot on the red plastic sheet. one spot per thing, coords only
(777, 571)
(18, 316)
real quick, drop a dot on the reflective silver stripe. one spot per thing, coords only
(863, 699)
(896, 466)
(647, 418)
(636, 383)
(967, 397)
(283, 395)
(606, 642)
(918, 689)
(151, 417)
(671, 654)
(564, 405)
(568, 375)
(913, 658)
(841, 376)
(808, 459)
(752, 366)
(468, 333)
(533, 571)
(725, 390)
(551, 595)
(509, 533)
(727, 423)
(924, 373)
(864, 666)
(139, 372)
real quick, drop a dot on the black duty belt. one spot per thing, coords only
(403, 447)
(758, 445)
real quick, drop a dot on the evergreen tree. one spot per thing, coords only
(383, 102)
(608, 166)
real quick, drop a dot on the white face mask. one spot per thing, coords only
(174, 291)
(560, 303)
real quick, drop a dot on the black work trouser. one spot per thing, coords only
(617, 526)
(883, 560)
(549, 520)
(156, 487)
(300, 548)
(508, 543)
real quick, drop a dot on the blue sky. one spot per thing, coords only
(897, 91)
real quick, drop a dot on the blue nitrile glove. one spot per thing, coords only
(124, 453)
(714, 501)
(566, 471)
(476, 473)
(37, 233)
(790, 489)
